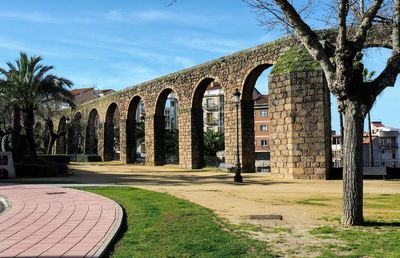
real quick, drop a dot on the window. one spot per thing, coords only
(263, 128)
(264, 143)
(264, 112)
(394, 155)
(210, 117)
(209, 103)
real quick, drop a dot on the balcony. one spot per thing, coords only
(212, 121)
(389, 145)
(211, 107)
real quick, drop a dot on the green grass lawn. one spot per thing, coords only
(160, 225)
(379, 237)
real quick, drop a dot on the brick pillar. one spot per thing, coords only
(300, 125)
(185, 137)
(100, 142)
(230, 131)
(155, 142)
(122, 141)
(149, 140)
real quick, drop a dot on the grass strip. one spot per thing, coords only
(160, 225)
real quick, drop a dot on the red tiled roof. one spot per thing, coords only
(214, 86)
(378, 124)
(263, 99)
(79, 91)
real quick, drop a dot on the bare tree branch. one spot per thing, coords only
(387, 77)
(308, 37)
(366, 24)
(396, 27)
(342, 31)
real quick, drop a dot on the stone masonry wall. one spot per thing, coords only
(300, 125)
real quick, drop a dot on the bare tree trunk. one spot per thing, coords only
(371, 148)
(28, 120)
(52, 136)
(352, 166)
(52, 140)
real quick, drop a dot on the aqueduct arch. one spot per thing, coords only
(198, 123)
(159, 126)
(92, 128)
(298, 106)
(247, 116)
(131, 130)
(112, 122)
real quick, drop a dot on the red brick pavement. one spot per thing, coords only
(45, 221)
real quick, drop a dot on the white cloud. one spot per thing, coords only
(215, 45)
(153, 15)
(115, 15)
(38, 17)
(35, 17)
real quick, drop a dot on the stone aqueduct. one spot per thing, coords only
(299, 103)
(299, 111)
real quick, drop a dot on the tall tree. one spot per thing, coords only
(28, 85)
(341, 62)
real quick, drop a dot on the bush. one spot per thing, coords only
(86, 158)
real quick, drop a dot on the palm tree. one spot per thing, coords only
(29, 85)
(213, 142)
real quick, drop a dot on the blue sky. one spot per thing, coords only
(116, 44)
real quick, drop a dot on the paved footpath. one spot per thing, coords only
(46, 221)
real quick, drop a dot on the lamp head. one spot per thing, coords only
(236, 96)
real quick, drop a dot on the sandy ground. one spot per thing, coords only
(260, 194)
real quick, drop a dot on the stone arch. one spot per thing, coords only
(247, 117)
(197, 120)
(110, 134)
(91, 146)
(75, 137)
(131, 124)
(61, 141)
(159, 126)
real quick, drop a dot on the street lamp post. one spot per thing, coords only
(238, 178)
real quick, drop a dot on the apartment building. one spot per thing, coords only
(261, 131)
(171, 112)
(213, 108)
(385, 147)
